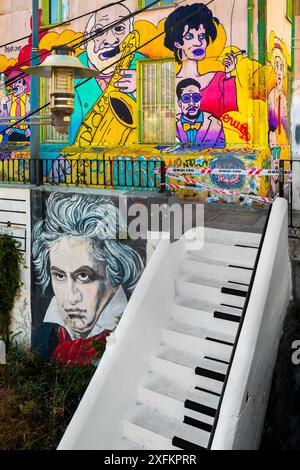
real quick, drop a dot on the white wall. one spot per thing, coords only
(278, 22)
(245, 401)
(15, 221)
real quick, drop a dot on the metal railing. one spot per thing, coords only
(216, 419)
(101, 173)
(286, 190)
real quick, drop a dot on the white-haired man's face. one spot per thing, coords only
(79, 283)
(105, 48)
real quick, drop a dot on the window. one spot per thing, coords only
(55, 11)
(157, 102)
(289, 9)
(162, 3)
(48, 133)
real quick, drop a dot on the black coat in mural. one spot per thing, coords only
(85, 271)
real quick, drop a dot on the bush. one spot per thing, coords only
(10, 281)
(37, 400)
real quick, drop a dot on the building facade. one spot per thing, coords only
(199, 86)
(204, 88)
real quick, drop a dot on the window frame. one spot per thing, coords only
(46, 20)
(142, 4)
(289, 10)
(140, 63)
(43, 128)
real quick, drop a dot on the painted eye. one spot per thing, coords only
(189, 36)
(120, 29)
(202, 36)
(83, 277)
(59, 276)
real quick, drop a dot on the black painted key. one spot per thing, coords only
(185, 445)
(199, 408)
(210, 374)
(227, 317)
(197, 424)
(219, 341)
(236, 292)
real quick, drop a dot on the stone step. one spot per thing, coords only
(206, 319)
(208, 293)
(213, 271)
(228, 237)
(226, 253)
(152, 427)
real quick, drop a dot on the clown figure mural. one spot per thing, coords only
(278, 109)
(277, 101)
(16, 103)
(78, 255)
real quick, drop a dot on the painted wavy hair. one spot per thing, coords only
(192, 16)
(86, 217)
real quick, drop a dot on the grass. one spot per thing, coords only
(37, 400)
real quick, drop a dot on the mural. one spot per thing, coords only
(218, 91)
(106, 105)
(190, 30)
(277, 105)
(82, 263)
(194, 125)
(16, 103)
(14, 165)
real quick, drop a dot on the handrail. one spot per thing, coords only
(214, 427)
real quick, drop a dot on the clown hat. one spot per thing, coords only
(277, 51)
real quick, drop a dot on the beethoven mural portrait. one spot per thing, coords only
(77, 250)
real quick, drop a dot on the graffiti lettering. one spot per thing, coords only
(5, 155)
(241, 127)
(9, 49)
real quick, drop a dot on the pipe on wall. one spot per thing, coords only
(35, 94)
(262, 32)
(250, 28)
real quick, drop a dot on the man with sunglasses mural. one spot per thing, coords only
(195, 126)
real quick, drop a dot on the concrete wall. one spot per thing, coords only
(15, 221)
(277, 21)
(245, 401)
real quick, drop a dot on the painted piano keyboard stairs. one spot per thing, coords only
(177, 398)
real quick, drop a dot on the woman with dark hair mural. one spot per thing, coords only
(190, 30)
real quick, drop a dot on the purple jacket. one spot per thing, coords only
(210, 134)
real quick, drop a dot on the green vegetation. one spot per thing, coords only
(37, 400)
(10, 281)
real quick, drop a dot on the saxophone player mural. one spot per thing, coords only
(105, 106)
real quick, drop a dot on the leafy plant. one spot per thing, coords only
(10, 281)
(37, 400)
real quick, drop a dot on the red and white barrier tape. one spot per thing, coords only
(226, 171)
(207, 187)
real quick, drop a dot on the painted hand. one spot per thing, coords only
(230, 62)
(127, 84)
(59, 170)
(5, 100)
(9, 131)
(27, 132)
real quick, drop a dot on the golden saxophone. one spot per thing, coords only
(113, 116)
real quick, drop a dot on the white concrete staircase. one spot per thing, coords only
(178, 395)
(160, 381)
